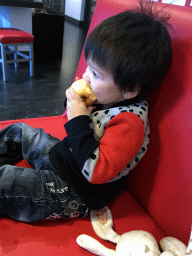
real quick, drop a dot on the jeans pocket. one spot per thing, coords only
(54, 187)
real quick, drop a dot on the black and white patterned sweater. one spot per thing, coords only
(99, 151)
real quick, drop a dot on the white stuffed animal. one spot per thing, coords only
(133, 243)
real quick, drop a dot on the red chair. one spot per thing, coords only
(158, 194)
(10, 39)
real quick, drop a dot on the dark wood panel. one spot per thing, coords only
(48, 31)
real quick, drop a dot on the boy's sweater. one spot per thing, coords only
(100, 150)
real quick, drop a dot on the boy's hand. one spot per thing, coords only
(75, 105)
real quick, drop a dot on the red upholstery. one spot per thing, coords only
(162, 182)
(157, 197)
(13, 35)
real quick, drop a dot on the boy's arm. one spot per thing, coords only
(102, 161)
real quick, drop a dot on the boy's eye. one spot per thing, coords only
(94, 73)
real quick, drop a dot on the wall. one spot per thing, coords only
(75, 9)
(177, 2)
(16, 17)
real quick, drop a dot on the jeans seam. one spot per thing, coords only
(40, 200)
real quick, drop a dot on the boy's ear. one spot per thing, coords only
(130, 95)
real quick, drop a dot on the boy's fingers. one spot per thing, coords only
(71, 93)
(68, 94)
(74, 94)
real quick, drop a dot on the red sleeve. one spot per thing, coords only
(123, 137)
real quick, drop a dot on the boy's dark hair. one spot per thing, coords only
(134, 46)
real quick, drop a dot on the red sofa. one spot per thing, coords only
(158, 196)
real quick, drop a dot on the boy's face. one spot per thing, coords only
(102, 84)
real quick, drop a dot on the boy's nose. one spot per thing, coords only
(86, 78)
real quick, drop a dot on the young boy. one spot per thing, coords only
(128, 56)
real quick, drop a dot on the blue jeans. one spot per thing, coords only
(36, 193)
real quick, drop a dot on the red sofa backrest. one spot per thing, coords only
(162, 181)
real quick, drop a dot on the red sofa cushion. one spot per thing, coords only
(13, 35)
(162, 180)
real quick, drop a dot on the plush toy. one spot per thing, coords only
(189, 248)
(133, 243)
